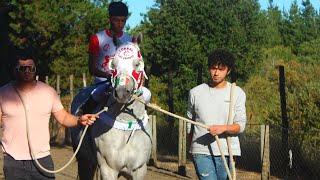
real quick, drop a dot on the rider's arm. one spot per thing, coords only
(68, 120)
(93, 58)
(93, 69)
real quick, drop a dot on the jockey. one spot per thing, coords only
(102, 47)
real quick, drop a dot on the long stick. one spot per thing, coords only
(230, 121)
(155, 107)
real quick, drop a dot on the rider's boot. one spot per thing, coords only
(89, 105)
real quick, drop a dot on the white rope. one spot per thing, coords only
(31, 148)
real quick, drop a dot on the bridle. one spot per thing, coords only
(127, 64)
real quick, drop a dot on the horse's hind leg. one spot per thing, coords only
(140, 173)
(105, 171)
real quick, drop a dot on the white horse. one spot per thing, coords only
(119, 141)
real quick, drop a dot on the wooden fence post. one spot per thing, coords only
(285, 122)
(182, 148)
(58, 85)
(84, 80)
(71, 89)
(265, 152)
(153, 125)
(60, 132)
(47, 80)
(199, 78)
(67, 135)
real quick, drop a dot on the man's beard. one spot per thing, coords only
(27, 78)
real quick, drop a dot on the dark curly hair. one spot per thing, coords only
(221, 57)
(23, 54)
(118, 8)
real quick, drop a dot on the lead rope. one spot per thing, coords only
(30, 146)
(192, 122)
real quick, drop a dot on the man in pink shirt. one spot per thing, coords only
(29, 101)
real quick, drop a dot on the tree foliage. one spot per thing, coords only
(302, 94)
(180, 35)
(57, 32)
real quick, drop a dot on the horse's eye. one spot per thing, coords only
(136, 65)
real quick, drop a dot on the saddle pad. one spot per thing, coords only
(126, 125)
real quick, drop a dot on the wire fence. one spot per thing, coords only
(299, 160)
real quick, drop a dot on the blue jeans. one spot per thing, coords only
(210, 167)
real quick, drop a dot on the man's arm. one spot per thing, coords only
(219, 129)
(239, 121)
(68, 120)
(93, 69)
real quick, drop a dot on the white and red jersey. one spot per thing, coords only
(101, 45)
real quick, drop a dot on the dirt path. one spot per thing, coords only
(62, 155)
(165, 172)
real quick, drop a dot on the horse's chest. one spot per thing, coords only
(124, 149)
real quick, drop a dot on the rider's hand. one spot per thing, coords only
(87, 119)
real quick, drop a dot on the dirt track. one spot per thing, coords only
(165, 172)
(62, 155)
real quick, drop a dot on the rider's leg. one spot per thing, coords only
(97, 96)
(146, 94)
(89, 105)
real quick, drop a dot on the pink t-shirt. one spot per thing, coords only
(40, 102)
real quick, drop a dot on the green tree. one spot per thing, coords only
(291, 31)
(303, 97)
(173, 47)
(182, 33)
(272, 23)
(310, 27)
(57, 31)
(300, 25)
(309, 51)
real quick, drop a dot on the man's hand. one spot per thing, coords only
(87, 119)
(217, 129)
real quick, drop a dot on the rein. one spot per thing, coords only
(30, 146)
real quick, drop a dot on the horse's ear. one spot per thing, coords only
(137, 38)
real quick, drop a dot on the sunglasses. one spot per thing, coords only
(23, 69)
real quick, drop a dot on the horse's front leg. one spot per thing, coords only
(139, 173)
(105, 171)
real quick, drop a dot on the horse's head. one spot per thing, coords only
(127, 69)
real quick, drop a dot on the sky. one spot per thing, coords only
(136, 7)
